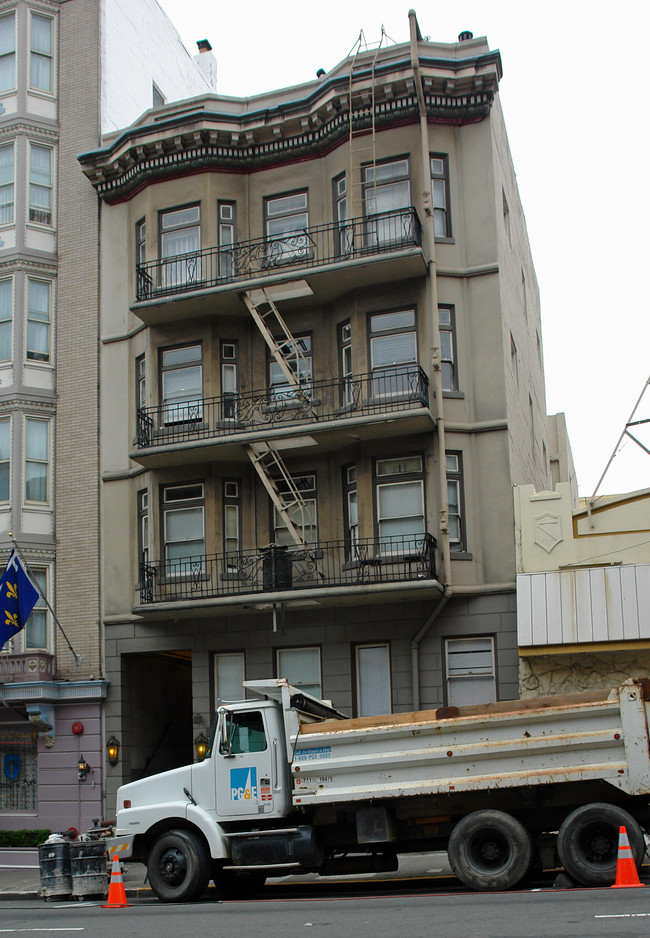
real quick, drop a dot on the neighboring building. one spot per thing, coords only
(321, 374)
(67, 72)
(583, 589)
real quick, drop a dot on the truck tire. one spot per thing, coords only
(232, 885)
(490, 850)
(587, 842)
(178, 866)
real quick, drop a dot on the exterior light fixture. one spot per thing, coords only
(201, 745)
(113, 750)
(83, 768)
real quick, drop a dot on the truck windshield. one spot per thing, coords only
(244, 732)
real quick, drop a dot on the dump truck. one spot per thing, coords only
(290, 785)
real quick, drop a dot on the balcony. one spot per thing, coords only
(27, 666)
(358, 565)
(388, 242)
(323, 408)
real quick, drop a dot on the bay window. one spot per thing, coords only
(399, 483)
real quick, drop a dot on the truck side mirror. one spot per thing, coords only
(226, 732)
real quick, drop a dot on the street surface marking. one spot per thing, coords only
(625, 915)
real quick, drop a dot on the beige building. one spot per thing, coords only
(321, 374)
(583, 589)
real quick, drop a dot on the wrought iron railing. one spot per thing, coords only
(389, 389)
(382, 233)
(359, 563)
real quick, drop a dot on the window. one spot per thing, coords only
(245, 732)
(182, 384)
(229, 676)
(447, 319)
(440, 192)
(141, 241)
(21, 771)
(304, 516)
(143, 526)
(351, 504)
(5, 458)
(455, 497)
(40, 185)
(470, 671)
(393, 353)
(183, 525)
(7, 52)
(37, 460)
(37, 629)
(140, 382)
(399, 483)
(39, 294)
(6, 184)
(373, 679)
(298, 357)
(301, 667)
(6, 312)
(345, 364)
(386, 189)
(180, 242)
(231, 523)
(40, 56)
(345, 241)
(227, 229)
(287, 220)
(229, 378)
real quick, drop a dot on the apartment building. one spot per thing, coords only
(321, 374)
(68, 71)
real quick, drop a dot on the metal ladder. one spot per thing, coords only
(357, 100)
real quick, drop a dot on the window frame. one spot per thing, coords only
(40, 608)
(143, 502)
(280, 672)
(32, 460)
(277, 523)
(34, 209)
(30, 354)
(167, 508)
(182, 267)
(350, 507)
(186, 409)
(398, 369)
(9, 205)
(226, 236)
(231, 656)
(290, 244)
(457, 478)
(398, 478)
(39, 55)
(231, 499)
(442, 211)
(452, 361)
(10, 53)
(280, 389)
(359, 710)
(5, 420)
(468, 675)
(7, 323)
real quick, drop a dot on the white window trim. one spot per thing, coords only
(13, 88)
(8, 418)
(33, 505)
(49, 622)
(41, 226)
(8, 361)
(32, 362)
(40, 92)
(11, 144)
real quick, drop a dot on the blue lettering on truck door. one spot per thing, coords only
(243, 784)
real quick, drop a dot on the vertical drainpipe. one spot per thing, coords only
(431, 307)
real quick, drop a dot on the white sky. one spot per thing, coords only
(574, 94)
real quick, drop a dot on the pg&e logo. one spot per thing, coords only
(243, 784)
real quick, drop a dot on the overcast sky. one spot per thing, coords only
(574, 94)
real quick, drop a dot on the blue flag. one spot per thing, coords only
(18, 596)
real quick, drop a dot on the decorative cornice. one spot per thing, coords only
(54, 691)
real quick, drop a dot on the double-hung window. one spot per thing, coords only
(440, 187)
(229, 378)
(301, 667)
(399, 483)
(6, 314)
(471, 670)
(393, 354)
(303, 515)
(181, 373)
(41, 53)
(298, 356)
(37, 460)
(39, 300)
(6, 184)
(184, 527)
(447, 326)
(455, 499)
(231, 522)
(180, 244)
(7, 52)
(287, 220)
(40, 184)
(227, 229)
(5, 458)
(386, 192)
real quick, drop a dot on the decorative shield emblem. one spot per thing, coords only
(12, 766)
(548, 531)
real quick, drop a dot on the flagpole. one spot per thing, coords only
(77, 658)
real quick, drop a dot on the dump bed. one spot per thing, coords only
(601, 735)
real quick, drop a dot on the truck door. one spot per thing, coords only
(247, 767)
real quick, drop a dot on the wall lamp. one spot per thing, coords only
(113, 750)
(201, 745)
(83, 768)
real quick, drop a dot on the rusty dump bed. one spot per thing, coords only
(594, 735)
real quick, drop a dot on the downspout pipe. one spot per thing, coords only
(431, 306)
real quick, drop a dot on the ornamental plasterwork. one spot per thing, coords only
(548, 531)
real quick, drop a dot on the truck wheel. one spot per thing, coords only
(178, 867)
(233, 885)
(587, 842)
(490, 850)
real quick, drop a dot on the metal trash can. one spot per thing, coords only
(88, 865)
(54, 867)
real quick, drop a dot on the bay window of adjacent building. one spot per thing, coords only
(301, 667)
(455, 500)
(181, 378)
(6, 316)
(470, 671)
(373, 681)
(297, 354)
(440, 190)
(5, 458)
(41, 53)
(183, 508)
(304, 516)
(399, 486)
(229, 676)
(6, 184)
(286, 223)
(37, 460)
(232, 523)
(393, 353)
(180, 244)
(7, 52)
(40, 184)
(386, 189)
(39, 315)
(447, 326)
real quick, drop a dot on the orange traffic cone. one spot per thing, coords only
(116, 892)
(626, 872)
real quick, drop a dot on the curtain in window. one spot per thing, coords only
(5, 320)
(184, 533)
(38, 326)
(401, 509)
(41, 57)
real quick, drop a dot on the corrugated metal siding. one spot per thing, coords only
(597, 604)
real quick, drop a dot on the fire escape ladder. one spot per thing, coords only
(285, 350)
(271, 469)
